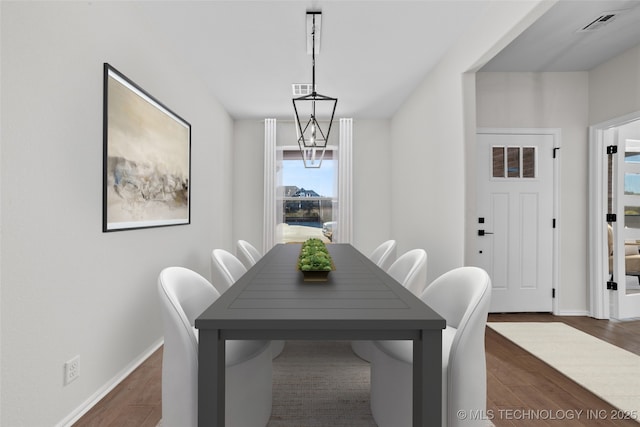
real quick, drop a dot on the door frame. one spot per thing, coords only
(599, 303)
(557, 139)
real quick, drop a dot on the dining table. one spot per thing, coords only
(358, 301)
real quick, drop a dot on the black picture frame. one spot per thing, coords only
(146, 159)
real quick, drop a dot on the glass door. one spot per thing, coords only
(624, 233)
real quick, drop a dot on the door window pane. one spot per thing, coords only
(513, 162)
(632, 216)
(498, 162)
(520, 162)
(632, 184)
(632, 151)
(528, 162)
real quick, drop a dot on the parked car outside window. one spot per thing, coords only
(328, 228)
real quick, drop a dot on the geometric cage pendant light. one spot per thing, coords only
(313, 110)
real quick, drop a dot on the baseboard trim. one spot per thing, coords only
(573, 313)
(76, 414)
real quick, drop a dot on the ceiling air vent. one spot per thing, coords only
(302, 89)
(599, 22)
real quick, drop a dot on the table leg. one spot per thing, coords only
(427, 379)
(211, 377)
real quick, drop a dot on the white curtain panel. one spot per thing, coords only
(270, 186)
(344, 216)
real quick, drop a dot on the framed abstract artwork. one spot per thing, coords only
(146, 160)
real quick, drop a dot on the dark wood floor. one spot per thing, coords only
(520, 386)
(135, 402)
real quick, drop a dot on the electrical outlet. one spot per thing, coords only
(71, 370)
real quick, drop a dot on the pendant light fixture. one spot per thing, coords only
(312, 109)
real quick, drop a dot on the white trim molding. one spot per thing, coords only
(599, 300)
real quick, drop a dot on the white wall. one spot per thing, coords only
(614, 87)
(248, 181)
(551, 100)
(67, 288)
(371, 183)
(431, 140)
(427, 178)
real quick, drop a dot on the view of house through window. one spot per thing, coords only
(308, 198)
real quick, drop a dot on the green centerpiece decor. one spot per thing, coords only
(314, 261)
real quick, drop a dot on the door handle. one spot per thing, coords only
(482, 232)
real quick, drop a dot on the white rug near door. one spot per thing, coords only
(609, 372)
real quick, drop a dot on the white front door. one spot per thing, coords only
(515, 224)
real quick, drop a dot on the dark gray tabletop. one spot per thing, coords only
(357, 296)
(358, 302)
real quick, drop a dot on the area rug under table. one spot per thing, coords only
(609, 372)
(320, 383)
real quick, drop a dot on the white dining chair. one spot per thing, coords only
(226, 269)
(461, 296)
(384, 255)
(247, 253)
(184, 295)
(410, 270)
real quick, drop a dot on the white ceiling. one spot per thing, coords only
(373, 53)
(553, 44)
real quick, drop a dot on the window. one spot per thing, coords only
(340, 156)
(308, 198)
(514, 162)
